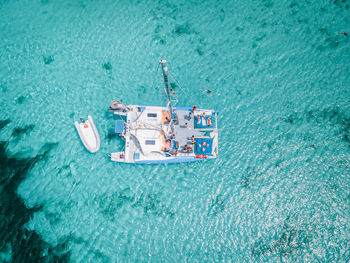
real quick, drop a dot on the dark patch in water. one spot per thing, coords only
(333, 116)
(107, 66)
(20, 99)
(3, 88)
(53, 218)
(289, 240)
(47, 147)
(279, 163)
(260, 37)
(324, 31)
(263, 24)
(110, 204)
(26, 245)
(217, 205)
(158, 29)
(65, 171)
(158, 39)
(332, 42)
(152, 205)
(3, 123)
(339, 3)
(271, 145)
(293, 118)
(109, 115)
(18, 132)
(99, 256)
(222, 15)
(199, 51)
(111, 134)
(268, 3)
(157, 35)
(249, 176)
(303, 20)
(173, 85)
(293, 4)
(71, 115)
(183, 29)
(256, 58)
(144, 89)
(48, 60)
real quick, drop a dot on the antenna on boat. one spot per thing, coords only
(167, 91)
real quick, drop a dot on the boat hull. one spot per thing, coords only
(88, 134)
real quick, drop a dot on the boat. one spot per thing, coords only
(165, 134)
(88, 134)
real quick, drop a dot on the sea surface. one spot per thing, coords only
(279, 74)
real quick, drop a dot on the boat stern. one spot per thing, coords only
(118, 157)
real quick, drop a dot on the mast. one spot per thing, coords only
(167, 91)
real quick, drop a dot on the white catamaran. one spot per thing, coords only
(157, 134)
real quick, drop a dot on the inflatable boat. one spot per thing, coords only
(88, 134)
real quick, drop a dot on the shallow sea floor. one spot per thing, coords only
(279, 75)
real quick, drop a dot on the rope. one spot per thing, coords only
(157, 68)
(226, 76)
(177, 83)
(147, 126)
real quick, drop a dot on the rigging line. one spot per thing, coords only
(159, 88)
(175, 100)
(160, 96)
(136, 118)
(157, 69)
(120, 118)
(177, 83)
(148, 125)
(224, 76)
(173, 95)
(136, 142)
(227, 76)
(144, 125)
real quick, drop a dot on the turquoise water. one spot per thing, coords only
(279, 75)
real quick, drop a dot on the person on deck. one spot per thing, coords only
(191, 112)
(167, 116)
(201, 119)
(209, 121)
(193, 141)
(186, 149)
(166, 143)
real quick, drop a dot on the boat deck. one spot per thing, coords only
(147, 134)
(183, 134)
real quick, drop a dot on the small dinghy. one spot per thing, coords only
(88, 134)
